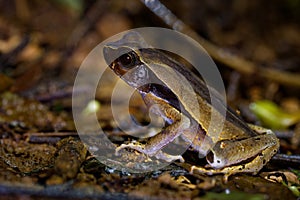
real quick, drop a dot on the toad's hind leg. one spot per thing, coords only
(253, 166)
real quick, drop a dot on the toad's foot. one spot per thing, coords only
(159, 154)
(168, 158)
(202, 170)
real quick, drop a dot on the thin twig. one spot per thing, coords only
(52, 134)
(51, 138)
(9, 58)
(287, 160)
(219, 54)
(82, 28)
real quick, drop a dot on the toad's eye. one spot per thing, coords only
(128, 60)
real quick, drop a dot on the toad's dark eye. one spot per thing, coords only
(128, 60)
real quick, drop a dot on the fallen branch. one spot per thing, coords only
(286, 160)
(219, 54)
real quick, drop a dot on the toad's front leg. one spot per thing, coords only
(154, 145)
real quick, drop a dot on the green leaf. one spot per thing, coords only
(272, 116)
